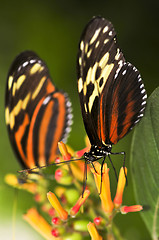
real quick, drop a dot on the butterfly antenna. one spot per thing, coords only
(48, 165)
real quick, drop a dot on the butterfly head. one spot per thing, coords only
(96, 152)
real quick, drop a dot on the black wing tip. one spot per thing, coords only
(93, 24)
(21, 58)
(99, 18)
(24, 56)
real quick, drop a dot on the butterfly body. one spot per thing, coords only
(97, 153)
(111, 91)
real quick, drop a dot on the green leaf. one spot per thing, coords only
(145, 164)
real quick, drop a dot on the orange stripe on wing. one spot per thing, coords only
(101, 122)
(49, 87)
(29, 148)
(60, 125)
(114, 119)
(19, 135)
(129, 115)
(43, 132)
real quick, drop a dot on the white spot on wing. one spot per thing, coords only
(69, 122)
(95, 35)
(69, 116)
(143, 91)
(140, 115)
(118, 70)
(124, 72)
(142, 109)
(10, 81)
(46, 100)
(97, 44)
(82, 45)
(89, 53)
(137, 121)
(145, 96)
(80, 85)
(19, 68)
(80, 60)
(110, 33)
(105, 29)
(106, 40)
(68, 104)
(68, 129)
(143, 103)
(117, 54)
(25, 64)
(32, 61)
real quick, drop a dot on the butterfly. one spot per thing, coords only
(111, 91)
(37, 114)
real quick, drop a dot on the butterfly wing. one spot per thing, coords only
(33, 108)
(123, 105)
(104, 91)
(99, 57)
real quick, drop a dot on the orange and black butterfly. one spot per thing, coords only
(111, 91)
(37, 114)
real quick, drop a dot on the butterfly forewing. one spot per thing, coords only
(112, 95)
(28, 81)
(37, 114)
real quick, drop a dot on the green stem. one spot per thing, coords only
(113, 232)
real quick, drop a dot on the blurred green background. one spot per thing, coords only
(52, 29)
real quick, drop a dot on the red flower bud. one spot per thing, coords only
(55, 232)
(97, 220)
(133, 208)
(56, 221)
(79, 203)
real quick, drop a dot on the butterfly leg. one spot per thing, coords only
(85, 177)
(113, 167)
(93, 167)
(102, 174)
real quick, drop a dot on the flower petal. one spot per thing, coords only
(63, 214)
(39, 223)
(79, 203)
(133, 208)
(93, 231)
(63, 150)
(103, 186)
(120, 187)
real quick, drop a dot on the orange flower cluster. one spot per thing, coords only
(68, 183)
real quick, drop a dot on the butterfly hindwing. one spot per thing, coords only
(123, 105)
(112, 95)
(37, 114)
